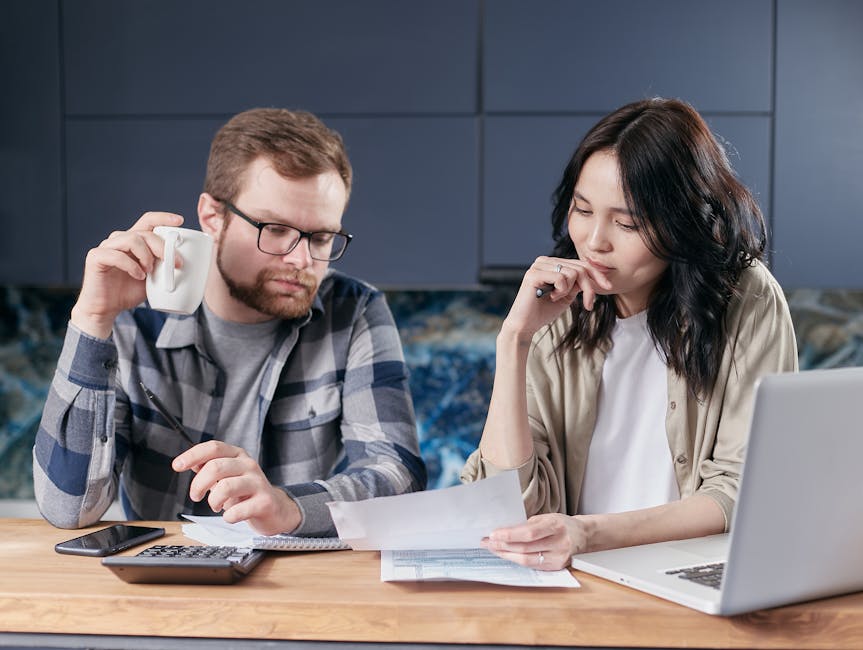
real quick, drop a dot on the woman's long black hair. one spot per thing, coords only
(691, 211)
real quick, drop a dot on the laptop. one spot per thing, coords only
(797, 528)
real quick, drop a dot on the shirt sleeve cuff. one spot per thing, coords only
(87, 361)
(525, 470)
(315, 519)
(725, 503)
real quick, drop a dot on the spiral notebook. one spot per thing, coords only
(215, 531)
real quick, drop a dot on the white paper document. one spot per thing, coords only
(455, 517)
(215, 531)
(477, 565)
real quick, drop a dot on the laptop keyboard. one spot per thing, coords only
(709, 575)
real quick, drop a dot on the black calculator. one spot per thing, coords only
(205, 565)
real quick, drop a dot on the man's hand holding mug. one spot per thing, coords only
(116, 272)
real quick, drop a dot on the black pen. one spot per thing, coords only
(546, 288)
(170, 418)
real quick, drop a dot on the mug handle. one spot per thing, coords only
(171, 238)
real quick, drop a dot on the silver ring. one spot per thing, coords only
(541, 557)
(557, 268)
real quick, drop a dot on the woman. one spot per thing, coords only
(626, 366)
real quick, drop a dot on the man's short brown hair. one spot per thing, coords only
(297, 143)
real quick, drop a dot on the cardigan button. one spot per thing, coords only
(673, 405)
(681, 459)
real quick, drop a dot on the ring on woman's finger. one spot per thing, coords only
(557, 268)
(541, 558)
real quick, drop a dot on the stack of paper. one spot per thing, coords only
(436, 535)
(431, 535)
(477, 565)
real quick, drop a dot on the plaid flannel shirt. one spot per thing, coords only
(336, 420)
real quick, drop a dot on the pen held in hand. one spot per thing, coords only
(546, 288)
(176, 426)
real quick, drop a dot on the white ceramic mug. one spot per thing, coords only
(180, 291)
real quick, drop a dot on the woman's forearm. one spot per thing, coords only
(694, 516)
(506, 440)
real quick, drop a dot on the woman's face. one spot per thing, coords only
(606, 237)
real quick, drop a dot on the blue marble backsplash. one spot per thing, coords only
(448, 339)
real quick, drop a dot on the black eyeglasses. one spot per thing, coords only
(280, 239)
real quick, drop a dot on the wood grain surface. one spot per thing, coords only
(338, 596)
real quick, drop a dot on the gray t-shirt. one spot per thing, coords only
(240, 350)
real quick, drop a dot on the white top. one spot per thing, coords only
(629, 465)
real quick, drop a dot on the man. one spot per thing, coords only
(289, 378)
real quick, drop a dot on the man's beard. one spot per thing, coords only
(264, 299)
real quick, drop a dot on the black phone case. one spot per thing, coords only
(69, 547)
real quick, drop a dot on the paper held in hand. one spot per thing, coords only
(455, 517)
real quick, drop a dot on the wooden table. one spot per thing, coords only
(338, 598)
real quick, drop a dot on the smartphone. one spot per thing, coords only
(109, 540)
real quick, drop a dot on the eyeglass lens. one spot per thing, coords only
(281, 240)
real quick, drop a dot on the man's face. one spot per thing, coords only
(277, 286)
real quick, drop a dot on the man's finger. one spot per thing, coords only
(150, 220)
(201, 454)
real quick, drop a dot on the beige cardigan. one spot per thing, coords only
(706, 439)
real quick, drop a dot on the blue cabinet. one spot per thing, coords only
(148, 84)
(119, 169)
(206, 57)
(819, 144)
(412, 210)
(587, 56)
(553, 68)
(458, 115)
(32, 245)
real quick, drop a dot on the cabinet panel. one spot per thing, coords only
(747, 142)
(220, 57)
(31, 250)
(414, 204)
(413, 207)
(572, 56)
(119, 169)
(819, 146)
(524, 159)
